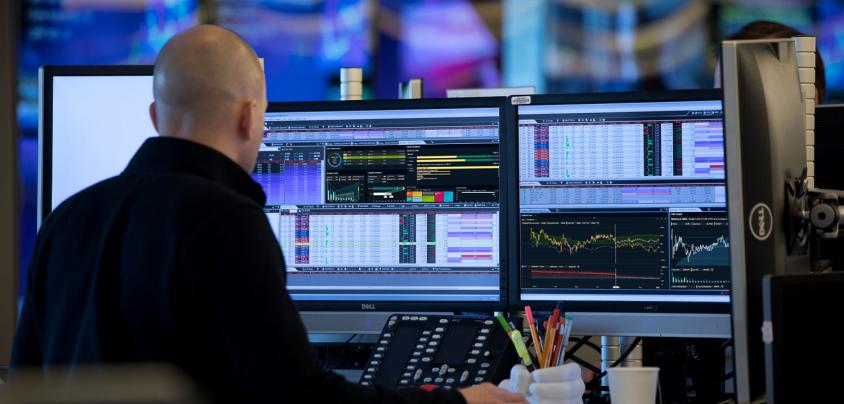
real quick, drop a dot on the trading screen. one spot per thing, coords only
(623, 202)
(389, 205)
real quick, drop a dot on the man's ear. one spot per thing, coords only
(247, 117)
(153, 116)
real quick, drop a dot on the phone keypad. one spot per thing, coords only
(481, 348)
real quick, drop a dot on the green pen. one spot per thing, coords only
(521, 349)
(500, 316)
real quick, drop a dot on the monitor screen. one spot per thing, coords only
(386, 205)
(95, 123)
(622, 201)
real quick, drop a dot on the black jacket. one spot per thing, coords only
(174, 261)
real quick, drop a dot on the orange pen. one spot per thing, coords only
(558, 341)
(550, 334)
(532, 326)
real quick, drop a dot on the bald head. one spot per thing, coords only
(209, 88)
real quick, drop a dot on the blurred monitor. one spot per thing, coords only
(92, 121)
(732, 17)
(304, 44)
(92, 32)
(622, 216)
(766, 151)
(830, 33)
(414, 40)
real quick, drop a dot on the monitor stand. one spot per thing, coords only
(679, 325)
(611, 349)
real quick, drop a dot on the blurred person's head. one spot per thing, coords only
(774, 30)
(209, 88)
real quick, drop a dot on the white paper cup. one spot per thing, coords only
(633, 385)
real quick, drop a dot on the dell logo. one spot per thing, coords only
(367, 306)
(761, 222)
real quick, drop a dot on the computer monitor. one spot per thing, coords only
(797, 308)
(388, 205)
(621, 216)
(829, 147)
(92, 121)
(766, 152)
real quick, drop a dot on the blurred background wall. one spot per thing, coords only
(555, 45)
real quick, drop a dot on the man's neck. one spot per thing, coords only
(212, 141)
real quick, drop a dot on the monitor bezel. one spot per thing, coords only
(516, 302)
(504, 154)
(46, 74)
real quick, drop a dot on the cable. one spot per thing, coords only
(583, 363)
(596, 387)
(621, 358)
(349, 340)
(329, 358)
(587, 342)
(580, 342)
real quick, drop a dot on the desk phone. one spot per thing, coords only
(448, 351)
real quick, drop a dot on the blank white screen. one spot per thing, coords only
(98, 124)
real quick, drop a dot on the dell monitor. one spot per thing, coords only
(388, 205)
(766, 153)
(621, 212)
(92, 121)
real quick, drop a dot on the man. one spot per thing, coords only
(174, 261)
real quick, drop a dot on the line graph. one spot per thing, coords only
(711, 252)
(588, 250)
(700, 250)
(699, 239)
(565, 245)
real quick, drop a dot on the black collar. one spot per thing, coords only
(172, 155)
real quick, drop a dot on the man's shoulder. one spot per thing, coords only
(195, 187)
(154, 191)
(82, 199)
